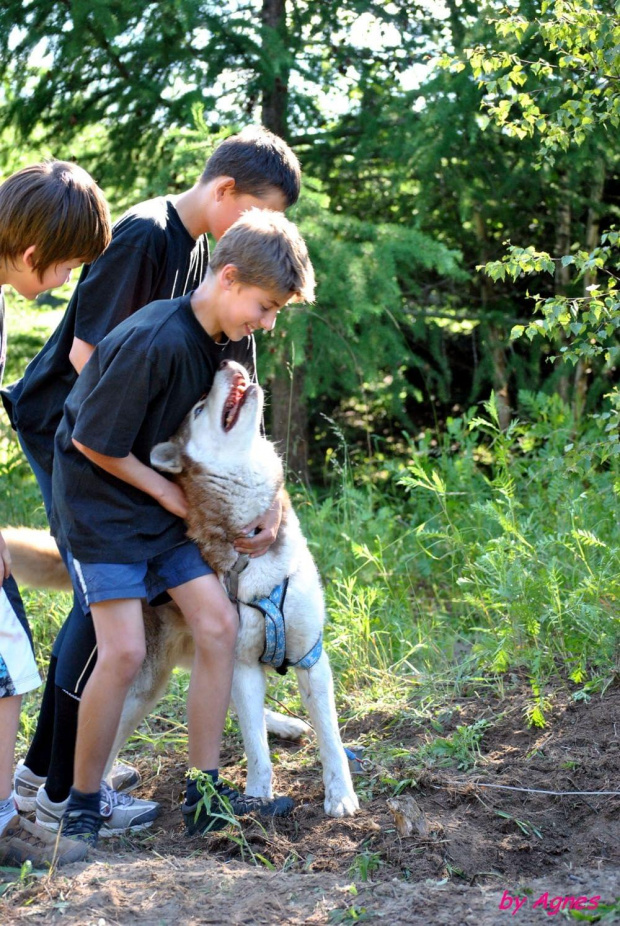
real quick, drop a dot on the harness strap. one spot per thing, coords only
(274, 653)
(311, 657)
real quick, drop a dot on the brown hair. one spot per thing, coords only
(258, 161)
(267, 251)
(56, 207)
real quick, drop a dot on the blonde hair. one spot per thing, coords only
(267, 251)
(56, 207)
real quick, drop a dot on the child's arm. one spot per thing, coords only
(80, 352)
(129, 469)
(5, 561)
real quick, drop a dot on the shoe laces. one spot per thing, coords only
(111, 799)
(80, 822)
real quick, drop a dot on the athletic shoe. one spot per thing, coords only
(82, 826)
(23, 841)
(122, 777)
(214, 812)
(119, 812)
(25, 787)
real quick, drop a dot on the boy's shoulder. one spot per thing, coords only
(153, 216)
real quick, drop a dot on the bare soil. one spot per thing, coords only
(473, 848)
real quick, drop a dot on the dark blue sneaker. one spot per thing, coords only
(215, 810)
(81, 824)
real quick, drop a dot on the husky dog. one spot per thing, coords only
(231, 475)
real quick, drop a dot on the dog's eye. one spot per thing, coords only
(198, 410)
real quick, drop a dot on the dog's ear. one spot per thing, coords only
(166, 457)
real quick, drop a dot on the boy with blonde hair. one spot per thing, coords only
(53, 217)
(123, 521)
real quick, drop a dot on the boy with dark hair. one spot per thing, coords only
(158, 251)
(53, 217)
(123, 521)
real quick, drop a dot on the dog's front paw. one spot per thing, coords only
(341, 804)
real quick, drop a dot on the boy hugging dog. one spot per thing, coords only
(123, 522)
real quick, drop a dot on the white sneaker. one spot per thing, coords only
(120, 812)
(25, 787)
(122, 777)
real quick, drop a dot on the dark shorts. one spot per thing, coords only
(95, 582)
(18, 668)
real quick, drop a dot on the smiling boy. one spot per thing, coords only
(123, 521)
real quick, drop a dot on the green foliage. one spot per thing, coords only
(356, 339)
(566, 93)
(524, 568)
(461, 748)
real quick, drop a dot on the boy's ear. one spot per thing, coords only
(28, 256)
(223, 186)
(166, 457)
(228, 276)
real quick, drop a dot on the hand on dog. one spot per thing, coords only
(5, 561)
(172, 498)
(268, 525)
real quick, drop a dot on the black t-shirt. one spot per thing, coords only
(152, 256)
(135, 391)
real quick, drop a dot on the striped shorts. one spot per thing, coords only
(18, 669)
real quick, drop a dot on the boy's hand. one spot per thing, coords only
(5, 561)
(268, 525)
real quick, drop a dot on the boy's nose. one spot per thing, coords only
(269, 320)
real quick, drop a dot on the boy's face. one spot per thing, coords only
(249, 308)
(230, 205)
(28, 283)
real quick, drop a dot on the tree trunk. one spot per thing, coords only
(275, 96)
(289, 412)
(289, 421)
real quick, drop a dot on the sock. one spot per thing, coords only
(60, 772)
(78, 800)
(38, 756)
(192, 794)
(7, 811)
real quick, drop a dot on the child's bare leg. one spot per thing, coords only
(9, 725)
(213, 622)
(120, 652)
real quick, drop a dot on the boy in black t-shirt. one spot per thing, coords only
(158, 251)
(122, 520)
(53, 217)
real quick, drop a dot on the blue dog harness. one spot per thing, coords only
(274, 654)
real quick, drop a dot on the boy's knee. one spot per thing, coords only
(217, 627)
(124, 659)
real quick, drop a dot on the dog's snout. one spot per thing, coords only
(224, 364)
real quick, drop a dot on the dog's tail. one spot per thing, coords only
(35, 559)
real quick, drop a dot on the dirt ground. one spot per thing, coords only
(473, 852)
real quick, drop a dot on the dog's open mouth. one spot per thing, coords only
(234, 402)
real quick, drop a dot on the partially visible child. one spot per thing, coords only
(53, 217)
(122, 521)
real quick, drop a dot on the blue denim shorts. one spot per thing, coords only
(148, 579)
